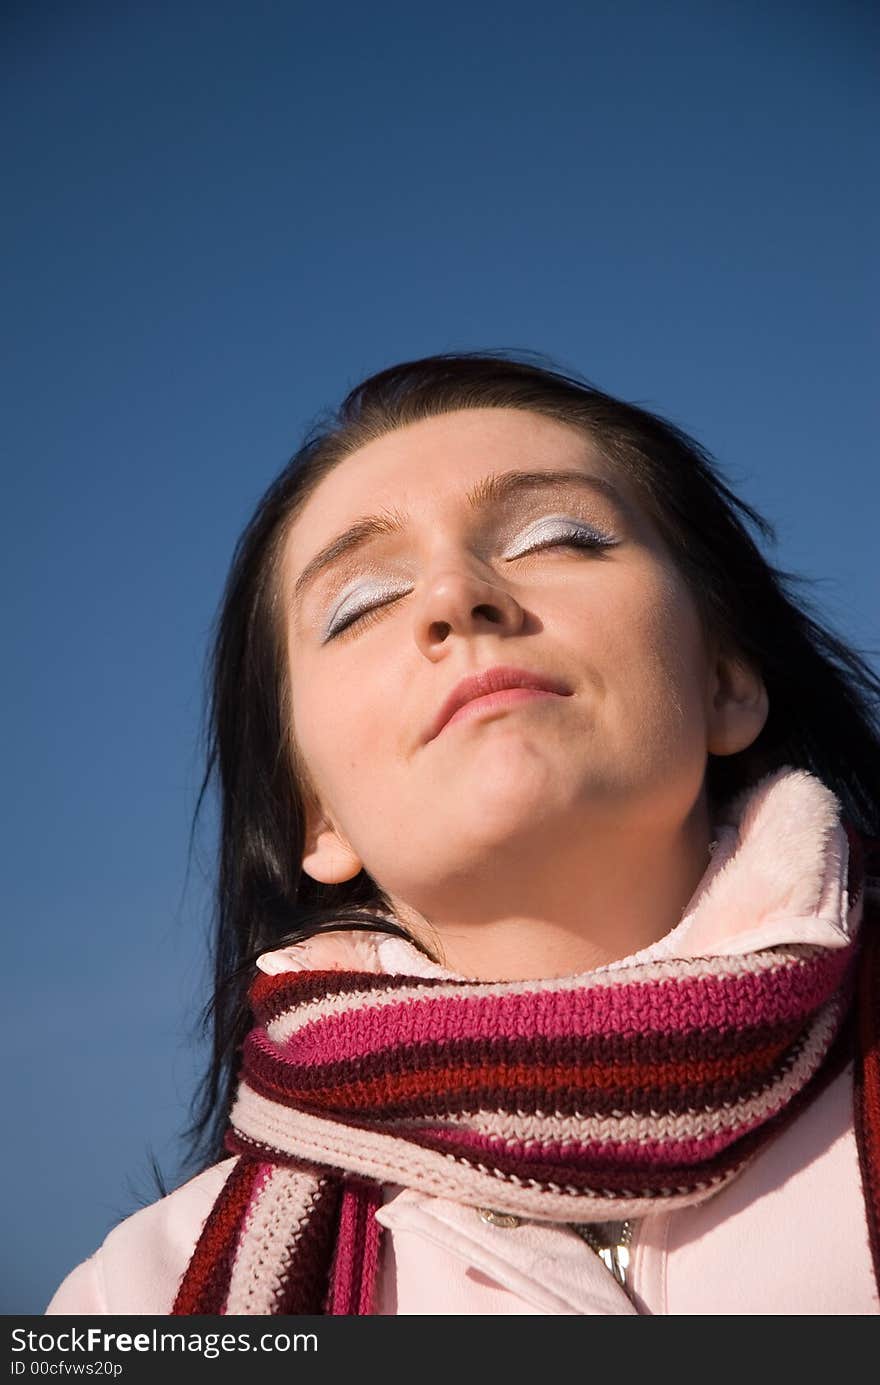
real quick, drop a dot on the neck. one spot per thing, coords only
(580, 909)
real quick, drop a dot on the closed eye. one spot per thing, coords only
(572, 537)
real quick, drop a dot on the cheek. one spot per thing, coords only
(340, 731)
(653, 646)
(678, 693)
(356, 705)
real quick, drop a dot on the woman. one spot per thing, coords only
(546, 973)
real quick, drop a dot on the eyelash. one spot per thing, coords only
(583, 539)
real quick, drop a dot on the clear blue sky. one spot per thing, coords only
(218, 217)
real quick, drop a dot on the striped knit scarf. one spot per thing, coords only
(588, 1098)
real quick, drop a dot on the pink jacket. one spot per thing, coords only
(788, 1236)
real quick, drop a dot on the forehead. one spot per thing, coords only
(427, 467)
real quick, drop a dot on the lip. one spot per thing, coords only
(500, 678)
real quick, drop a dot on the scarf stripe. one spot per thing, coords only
(867, 1088)
(357, 1250)
(711, 1042)
(270, 993)
(280, 1207)
(305, 1284)
(437, 1083)
(787, 983)
(204, 1286)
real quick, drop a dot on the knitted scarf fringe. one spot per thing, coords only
(595, 1099)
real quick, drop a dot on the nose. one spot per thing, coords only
(461, 602)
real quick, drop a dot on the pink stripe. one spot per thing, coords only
(345, 1268)
(356, 1262)
(779, 996)
(372, 1241)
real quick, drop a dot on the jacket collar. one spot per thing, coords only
(546, 1264)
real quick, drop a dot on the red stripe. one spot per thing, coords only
(205, 1282)
(274, 1078)
(867, 1083)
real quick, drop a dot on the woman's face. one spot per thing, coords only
(458, 577)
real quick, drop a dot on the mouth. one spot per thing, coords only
(491, 690)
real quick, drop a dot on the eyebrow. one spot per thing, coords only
(491, 490)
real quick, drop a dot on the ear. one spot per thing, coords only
(738, 704)
(327, 855)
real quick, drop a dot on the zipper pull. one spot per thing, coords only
(611, 1242)
(617, 1260)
